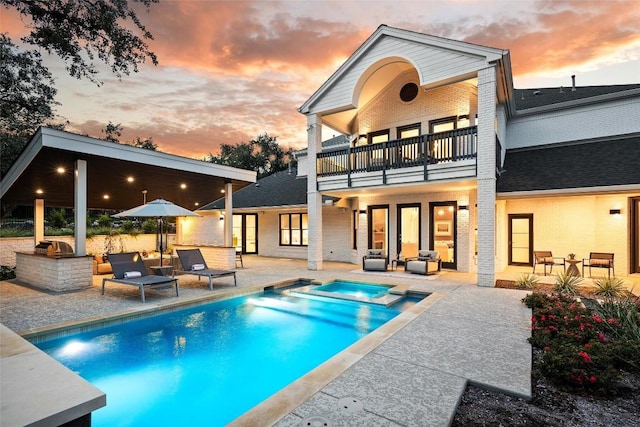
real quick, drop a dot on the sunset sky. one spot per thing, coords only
(230, 70)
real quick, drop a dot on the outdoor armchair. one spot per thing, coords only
(546, 258)
(427, 262)
(599, 260)
(375, 260)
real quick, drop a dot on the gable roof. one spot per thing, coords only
(612, 162)
(526, 99)
(430, 71)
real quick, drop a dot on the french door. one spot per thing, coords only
(245, 233)
(443, 231)
(379, 227)
(408, 238)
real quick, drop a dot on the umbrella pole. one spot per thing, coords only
(161, 242)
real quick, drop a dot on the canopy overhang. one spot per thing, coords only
(117, 175)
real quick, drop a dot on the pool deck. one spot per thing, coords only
(411, 371)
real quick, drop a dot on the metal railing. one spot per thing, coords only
(449, 146)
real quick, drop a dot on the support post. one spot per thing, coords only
(38, 221)
(80, 205)
(228, 214)
(314, 197)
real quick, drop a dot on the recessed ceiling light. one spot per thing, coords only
(130, 179)
(39, 191)
(222, 191)
(106, 197)
(183, 186)
(60, 170)
(197, 204)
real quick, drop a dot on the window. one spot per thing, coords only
(443, 125)
(408, 131)
(354, 230)
(294, 229)
(409, 92)
(378, 136)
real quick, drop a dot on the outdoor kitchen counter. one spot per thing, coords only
(54, 274)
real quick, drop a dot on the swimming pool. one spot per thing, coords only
(208, 364)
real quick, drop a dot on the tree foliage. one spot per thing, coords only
(77, 31)
(263, 155)
(112, 133)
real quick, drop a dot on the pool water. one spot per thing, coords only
(354, 289)
(209, 364)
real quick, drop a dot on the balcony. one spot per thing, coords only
(382, 161)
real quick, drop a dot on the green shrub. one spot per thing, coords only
(57, 218)
(527, 281)
(567, 284)
(150, 226)
(609, 287)
(584, 350)
(7, 273)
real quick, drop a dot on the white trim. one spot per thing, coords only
(628, 188)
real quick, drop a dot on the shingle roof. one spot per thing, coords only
(532, 98)
(593, 164)
(280, 189)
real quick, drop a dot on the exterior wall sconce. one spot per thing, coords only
(463, 208)
(615, 211)
(222, 217)
(362, 212)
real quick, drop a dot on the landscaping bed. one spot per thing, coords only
(593, 387)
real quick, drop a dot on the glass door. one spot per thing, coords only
(442, 236)
(408, 243)
(379, 227)
(245, 233)
(520, 239)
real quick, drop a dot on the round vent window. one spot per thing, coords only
(409, 92)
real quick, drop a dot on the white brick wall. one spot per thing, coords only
(486, 176)
(579, 224)
(387, 111)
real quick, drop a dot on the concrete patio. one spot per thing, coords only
(411, 371)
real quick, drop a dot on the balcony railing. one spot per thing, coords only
(433, 148)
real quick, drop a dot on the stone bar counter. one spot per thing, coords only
(57, 274)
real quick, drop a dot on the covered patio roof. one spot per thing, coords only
(117, 174)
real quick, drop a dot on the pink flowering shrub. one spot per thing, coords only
(580, 352)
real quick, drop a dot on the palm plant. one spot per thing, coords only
(527, 281)
(609, 287)
(567, 284)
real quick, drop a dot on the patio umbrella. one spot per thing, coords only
(158, 208)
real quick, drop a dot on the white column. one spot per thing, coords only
(228, 214)
(80, 205)
(38, 221)
(314, 198)
(486, 175)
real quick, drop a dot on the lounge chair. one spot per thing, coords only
(128, 269)
(426, 262)
(375, 260)
(193, 263)
(546, 258)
